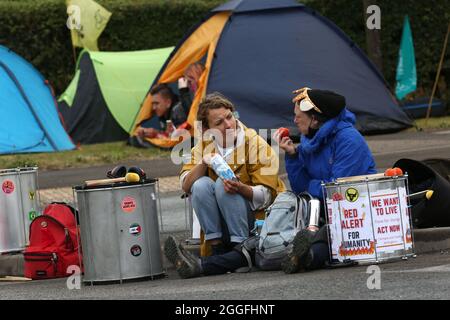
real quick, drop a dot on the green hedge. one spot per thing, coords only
(37, 31)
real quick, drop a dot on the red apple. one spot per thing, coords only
(283, 132)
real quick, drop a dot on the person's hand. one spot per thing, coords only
(170, 128)
(150, 133)
(140, 132)
(287, 145)
(232, 186)
(207, 159)
(182, 83)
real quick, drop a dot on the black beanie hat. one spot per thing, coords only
(330, 103)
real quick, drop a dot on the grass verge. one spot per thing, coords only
(85, 156)
(433, 123)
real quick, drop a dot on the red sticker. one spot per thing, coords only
(128, 204)
(8, 186)
(337, 197)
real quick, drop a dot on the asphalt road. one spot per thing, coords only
(424, 277)
(387, 149)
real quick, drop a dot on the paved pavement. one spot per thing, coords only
(389, 148)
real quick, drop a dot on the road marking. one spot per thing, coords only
(442, 132)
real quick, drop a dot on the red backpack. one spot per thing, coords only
(53, 243)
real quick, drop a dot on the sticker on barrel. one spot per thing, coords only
(32, 215)
(135, 229)
(8, 186)
(351, 194)
(136, 251)
(128, 204)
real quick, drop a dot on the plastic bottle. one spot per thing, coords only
(221, 168)
(258, 226)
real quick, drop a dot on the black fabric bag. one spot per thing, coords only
(434, 212)
(441, 166)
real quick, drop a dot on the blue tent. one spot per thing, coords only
(272, 47)
(268, 48)
(29, 120)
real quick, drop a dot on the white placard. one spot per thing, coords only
(366, 225)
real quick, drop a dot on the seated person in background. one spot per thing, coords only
(186, 85)
(330, 148)
(225, 208)
(167, 108)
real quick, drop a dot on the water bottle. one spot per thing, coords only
(258, 226)
(221, 168)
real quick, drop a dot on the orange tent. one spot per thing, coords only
(201, 42)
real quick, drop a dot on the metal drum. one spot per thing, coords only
(119, 232)
(369, 219)
(19, 200)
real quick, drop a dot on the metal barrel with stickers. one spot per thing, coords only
(119, 227)
(19, 201)
(369, 218)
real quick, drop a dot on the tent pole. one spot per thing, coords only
(437, 75)
(74, 56)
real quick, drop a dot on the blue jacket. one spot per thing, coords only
(337, 150)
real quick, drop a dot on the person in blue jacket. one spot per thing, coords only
(330, 148)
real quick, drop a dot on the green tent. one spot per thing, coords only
(103, 99)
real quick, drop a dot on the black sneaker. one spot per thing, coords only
(185, 263)
(299, 257)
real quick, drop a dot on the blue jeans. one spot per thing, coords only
(214, 206)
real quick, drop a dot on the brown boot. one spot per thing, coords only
(299, 257)
(185, 263)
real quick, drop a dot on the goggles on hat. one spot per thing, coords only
(303, 101)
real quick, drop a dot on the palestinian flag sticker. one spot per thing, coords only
(135, 229)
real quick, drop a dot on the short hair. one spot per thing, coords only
(212, 101)
(164, 90)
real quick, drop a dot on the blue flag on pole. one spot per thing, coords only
(406, 69)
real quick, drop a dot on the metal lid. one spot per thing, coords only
(17, 170)
(117, 185)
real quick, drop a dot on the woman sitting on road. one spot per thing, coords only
(225, 207)
(330, 148)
